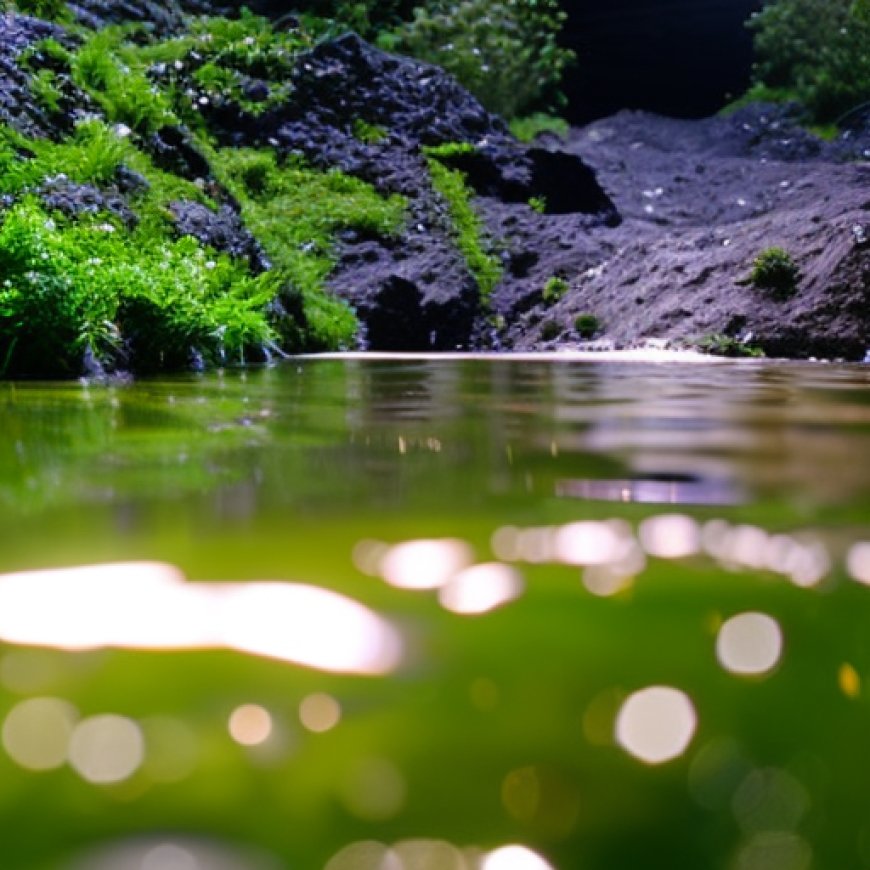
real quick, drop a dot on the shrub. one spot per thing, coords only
(504, 51)
(528, 128)
(814, 51)
(774, 270)
(554, 289)
(718, 344)
(550, 330)
(586, 325)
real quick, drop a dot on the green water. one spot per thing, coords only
(726, 488)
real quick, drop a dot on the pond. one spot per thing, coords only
(449, 614)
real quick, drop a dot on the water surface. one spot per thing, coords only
(605, 614)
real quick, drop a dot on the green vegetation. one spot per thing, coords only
(550, 330)
(775, 271)
(586, 325)
(504, 51)
(528, 128)
(814, 51)
(554, 289)
(538, 204)
(370, 134)
(719, 344)
(71, 288)
(467, 227)
(295, 212)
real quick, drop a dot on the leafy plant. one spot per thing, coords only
(370, 134)
(815, 52)
(774, 270)
(718, 344)
(554, 289)
(538, 204)
(296, 211)
(586, 325)
(528, 128)
(467, 226)
(550, 329)
(504, 51)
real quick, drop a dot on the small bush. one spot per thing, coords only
(718, 344)
(586, 325)
(550, 330)
(814, 51)
(554, 289)
(775, 271)
(504, 51)
(528, 128)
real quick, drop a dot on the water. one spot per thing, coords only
(593, 614)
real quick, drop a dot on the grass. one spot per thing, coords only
(295, 212)
(467, 226)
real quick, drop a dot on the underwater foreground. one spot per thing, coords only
(438, 614)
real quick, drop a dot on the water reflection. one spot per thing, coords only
(150, 606)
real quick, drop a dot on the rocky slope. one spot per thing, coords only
(644, 225)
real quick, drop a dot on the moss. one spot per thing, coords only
(776, 272)
(586, 325)
(467, 226)
(69, 288)
(538, 204)
(295, 212)
(718, 344)
(528, 128)
(369, 134)
(554, 289)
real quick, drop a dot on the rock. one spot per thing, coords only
(222, 230)
(75, 200)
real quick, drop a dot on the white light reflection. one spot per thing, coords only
(425, 564)
(514, 858)
(36, 733)
(749, 644)
(589, 543)
(656, 724)
(858, 562)
(250, 725)
(319, 712)
(106, 749)
(145, 605)
(481, 588)
(670, 536)
(365, 855)
(168, 856)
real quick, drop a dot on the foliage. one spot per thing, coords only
(296, 211)
(370, 134)
(71, 287)
(45, 90)
(554, 289)
(123, 90)
(48, 10)
(504, 51)
(466, 225)
(550, 330)
(814, 51)
(774, 270)
(538, 204)
(719, 344)
(528, 128)
(586, 325)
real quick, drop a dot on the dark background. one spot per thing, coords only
(685, 58)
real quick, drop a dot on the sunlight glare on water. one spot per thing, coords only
(149, 606)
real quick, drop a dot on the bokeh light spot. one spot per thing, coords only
(481, 588)
(749, 644)
(670, 536)
(425, 564)
(365, 855)
(168, 856)
(319, 712)
(849, 680)
(858, 562)
(37, 732)
(656, 724)
(106, 749)
(514, 858)
(250, 724)
(374, 790)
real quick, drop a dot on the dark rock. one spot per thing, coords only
(173, 150)
(222, 230)
(77, 200)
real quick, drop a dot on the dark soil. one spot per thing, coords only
(699, 201)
